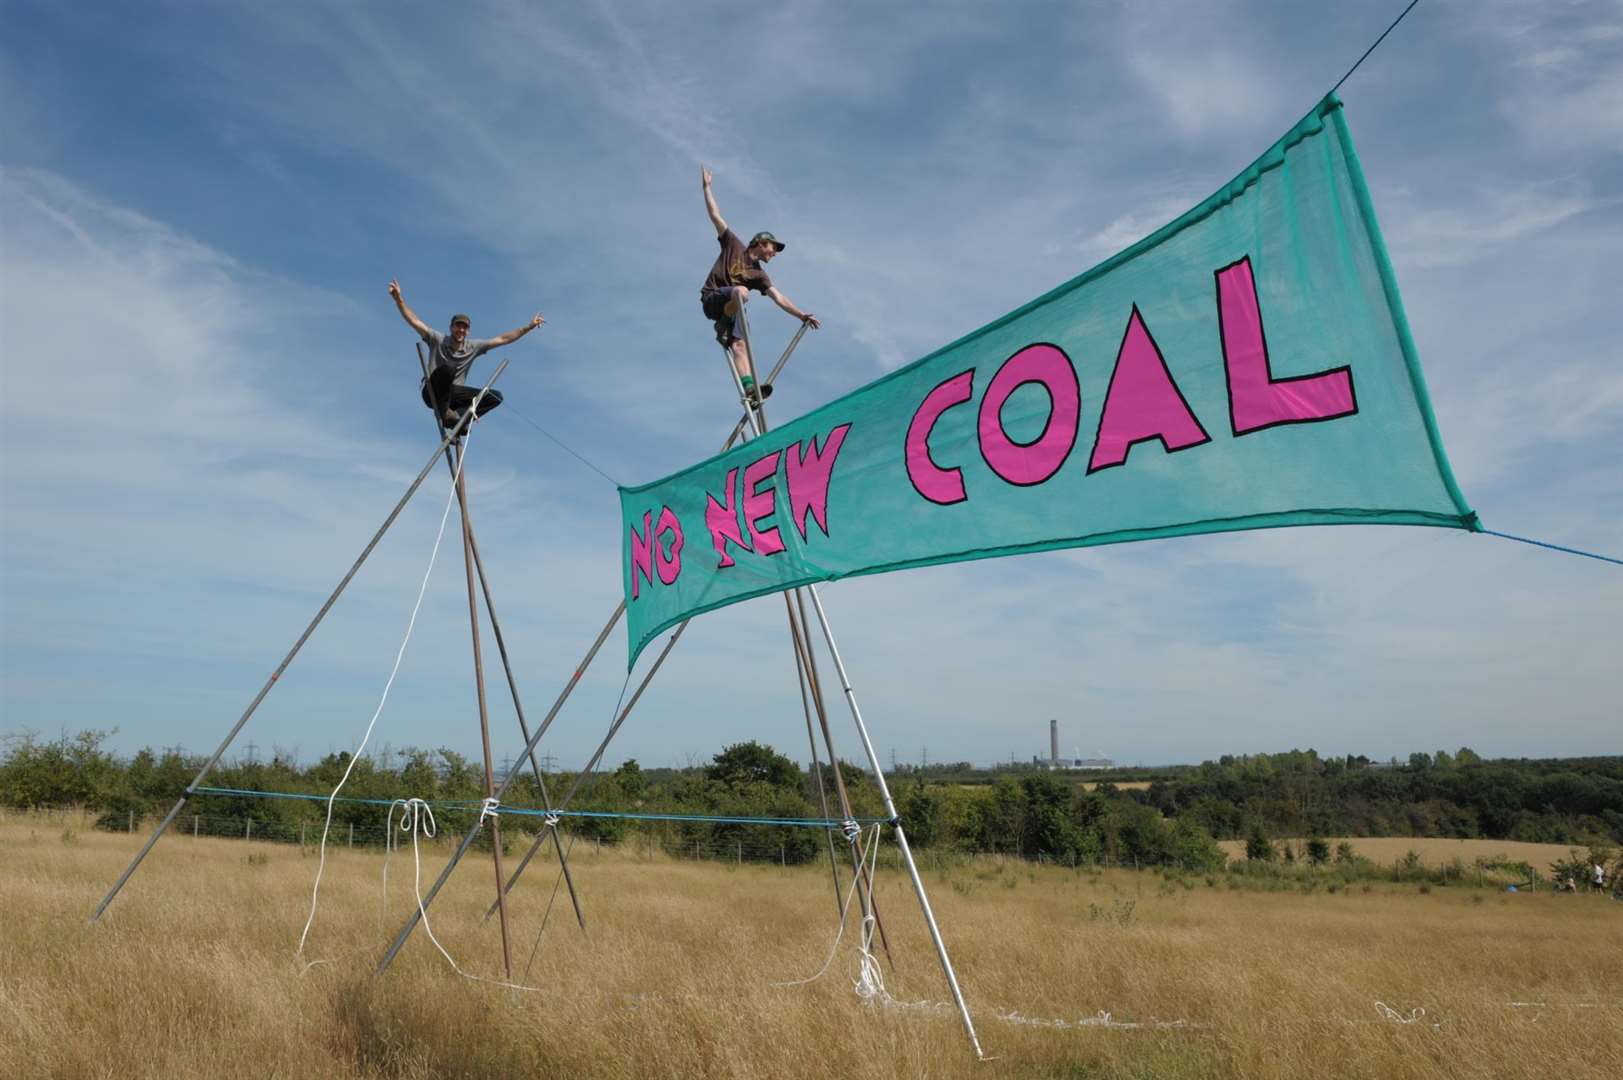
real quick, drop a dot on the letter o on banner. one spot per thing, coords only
(1025, 464)
(668, 566)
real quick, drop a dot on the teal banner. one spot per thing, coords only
(1247, 366)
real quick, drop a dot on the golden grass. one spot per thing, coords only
(191, 974)
(1387, 850)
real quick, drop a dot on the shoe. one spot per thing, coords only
(756, 394)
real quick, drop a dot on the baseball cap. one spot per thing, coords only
(461, 318)
(767, 238)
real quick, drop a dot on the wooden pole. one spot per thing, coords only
(507, 666)
(484, 716)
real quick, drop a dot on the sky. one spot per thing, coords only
(211, 402)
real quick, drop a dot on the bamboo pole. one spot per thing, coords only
(484, 716)
(501, 647)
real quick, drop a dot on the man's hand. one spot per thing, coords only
(535, 323)
(405, 311)
(710, 203)
(811, 321)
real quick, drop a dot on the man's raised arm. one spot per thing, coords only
(710, 203)
(513, 335)
(405, 312)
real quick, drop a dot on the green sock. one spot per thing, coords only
(748, 382)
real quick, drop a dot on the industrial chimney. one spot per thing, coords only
(1053, 744)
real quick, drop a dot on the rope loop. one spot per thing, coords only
(416, 817)
(550, 821)
(851, 830)
(490, 808)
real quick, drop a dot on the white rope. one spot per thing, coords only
(418, 819)
(1102, 1019)
(321, 866)
(1388, 1013)
(869, 981)
(845, 908)
(490, 808)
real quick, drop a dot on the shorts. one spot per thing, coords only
(714, 302)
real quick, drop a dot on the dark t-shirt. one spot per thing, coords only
(440, 354)
(735, 267)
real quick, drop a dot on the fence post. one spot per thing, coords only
(352, 834)
(194, 826)
(132, 821)
(783, 855)
(741, 853)
(695, 848)
(301, 834)
(248, 829)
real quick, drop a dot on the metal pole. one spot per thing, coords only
(817, 774)
(758, 425)
(501, 647)
(870, 903)
(417, 913)
(484, 717)
(225, 744)
(901, 836)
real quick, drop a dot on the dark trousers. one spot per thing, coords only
(456, 397)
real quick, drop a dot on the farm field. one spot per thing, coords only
(1387, 850)
(192, 974)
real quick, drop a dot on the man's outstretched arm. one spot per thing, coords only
(405, 312)
(787, 305)
(513, 335)
(710, 203)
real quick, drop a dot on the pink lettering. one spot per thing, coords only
(669, 564)
(642, 554)
(1257, 400)
(1142, 402)
(722, 521)
(1025, 464)
(809, 470)
(761, 504)
(944, 486)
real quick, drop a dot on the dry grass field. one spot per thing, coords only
(192, 973)
(1387, 850)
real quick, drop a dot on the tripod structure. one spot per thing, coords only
(752, 425)
(450, 448)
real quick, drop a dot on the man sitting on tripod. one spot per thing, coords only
(738, 269)
(449, 358)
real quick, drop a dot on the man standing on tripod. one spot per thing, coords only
(738, 269)
(449, 358)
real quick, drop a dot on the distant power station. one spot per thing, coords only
(1056, 763)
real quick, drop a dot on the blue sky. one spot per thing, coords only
(211, 402)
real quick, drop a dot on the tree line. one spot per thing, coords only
(1024, 811)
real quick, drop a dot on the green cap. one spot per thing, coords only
(767, 238)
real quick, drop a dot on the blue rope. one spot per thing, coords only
(1553, 547)
(287, 795)
(525, 811)
(819, 823)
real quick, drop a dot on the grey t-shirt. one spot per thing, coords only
(440, 354)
